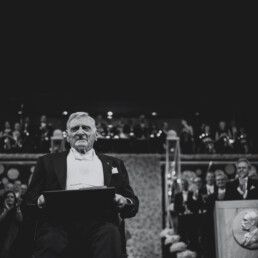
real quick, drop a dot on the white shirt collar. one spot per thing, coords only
(221, 190)
(89, 155)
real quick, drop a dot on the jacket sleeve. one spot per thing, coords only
(126, 190)
(36, 185)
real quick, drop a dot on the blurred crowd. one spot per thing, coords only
(193, 203)
(131, 135)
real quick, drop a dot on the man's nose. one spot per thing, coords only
(80, 131)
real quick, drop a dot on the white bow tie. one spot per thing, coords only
(82, 157)
(86, 156)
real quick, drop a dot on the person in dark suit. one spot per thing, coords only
(79, 168)
(210, 187)
(218, 195)
(184, 214)
(244, 187)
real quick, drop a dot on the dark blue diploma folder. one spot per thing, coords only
(95, 203)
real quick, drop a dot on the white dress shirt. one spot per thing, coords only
(210, 189)
(242, 188)
(83, 170)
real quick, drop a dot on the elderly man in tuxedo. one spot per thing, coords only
(243, 187)
(77, 168)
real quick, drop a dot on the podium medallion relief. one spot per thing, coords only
(245, 228)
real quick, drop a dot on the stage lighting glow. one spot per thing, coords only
(154, 113)
(65, 113)
(110, 113)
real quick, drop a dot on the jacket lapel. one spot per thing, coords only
(60, 166)
(107, 168)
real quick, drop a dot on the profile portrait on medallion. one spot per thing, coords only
(245, 228)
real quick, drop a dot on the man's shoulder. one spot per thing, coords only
(110, 158)
(233, 182)
(53, 155)
(253, 181)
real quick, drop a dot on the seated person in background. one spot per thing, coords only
(28, 136)
(187, 137)
(184, 214)
(223, 139)
(10, 220)
(219, 194)
(43, 134)
(197, 205)
(141, 128)
(243, 187)
(221, 180)
(206, 140)
(242, 141)
(17, 136)
(78, 168)
(209, 187)
(6, 138)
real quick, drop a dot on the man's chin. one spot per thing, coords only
(81, 146)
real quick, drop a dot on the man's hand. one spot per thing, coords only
(120, 201)
(41, 201)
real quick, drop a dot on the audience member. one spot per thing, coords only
(17, 136)
(198, 207)
(141, 128)
(44, 133)
(10, 220)
(209, 187)
(243, 187)
(206, 140)
(187, 137)
(28, 136)
(242, 141)
(184, 214)
(6, 139)
(223, 139)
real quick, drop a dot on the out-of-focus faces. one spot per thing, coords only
(242, 169)
(10, 199)
(221, 181)
(210, 178)
(184, 184)
(197, 183)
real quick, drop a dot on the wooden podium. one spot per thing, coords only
(228, 230)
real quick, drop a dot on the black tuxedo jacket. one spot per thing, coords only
(233, 194)
(51, 171)
(179, 204)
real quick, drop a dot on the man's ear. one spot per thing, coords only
(67, 138)
(96, 135)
